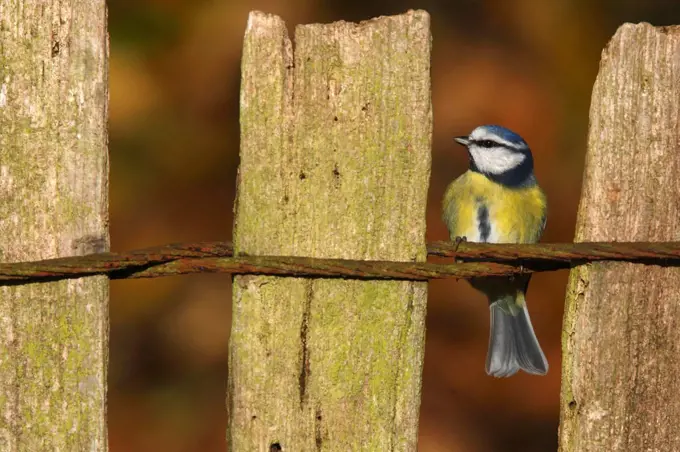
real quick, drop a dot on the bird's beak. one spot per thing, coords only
(462, 140)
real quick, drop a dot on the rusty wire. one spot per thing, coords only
(471, 259)
(572, 253)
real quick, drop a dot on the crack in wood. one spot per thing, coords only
(304, 330)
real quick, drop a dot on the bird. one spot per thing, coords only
(498, 200)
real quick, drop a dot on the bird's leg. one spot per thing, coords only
(458, 240)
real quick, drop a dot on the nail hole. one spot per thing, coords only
(275, 447)
(303, 176)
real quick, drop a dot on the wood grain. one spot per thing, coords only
(621, 336)
(335, 162)
(53, 203)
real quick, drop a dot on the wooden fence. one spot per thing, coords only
(53, 202)
(335, 162)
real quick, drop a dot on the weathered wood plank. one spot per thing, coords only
(621, 335)
(335, 162)
(53, 202)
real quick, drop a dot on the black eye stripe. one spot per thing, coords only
(488, 144)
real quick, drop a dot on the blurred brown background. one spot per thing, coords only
(525, 64)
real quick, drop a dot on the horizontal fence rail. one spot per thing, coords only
(474, 259)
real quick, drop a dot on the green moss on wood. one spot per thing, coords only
(53, 169)
(622, 321)
(335, 162)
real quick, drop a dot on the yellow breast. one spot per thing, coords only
(513, 215)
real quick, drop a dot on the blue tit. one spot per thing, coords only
(499, 201)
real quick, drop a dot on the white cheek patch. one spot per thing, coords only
(496, 160)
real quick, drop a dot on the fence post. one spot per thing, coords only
(335, 162)
(53, 202)
(621, 335)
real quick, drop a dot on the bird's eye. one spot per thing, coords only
(486, 143)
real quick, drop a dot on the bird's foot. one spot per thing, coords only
(521, 272)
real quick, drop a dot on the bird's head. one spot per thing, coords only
(500, 154)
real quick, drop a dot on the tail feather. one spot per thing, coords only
(512, 343)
